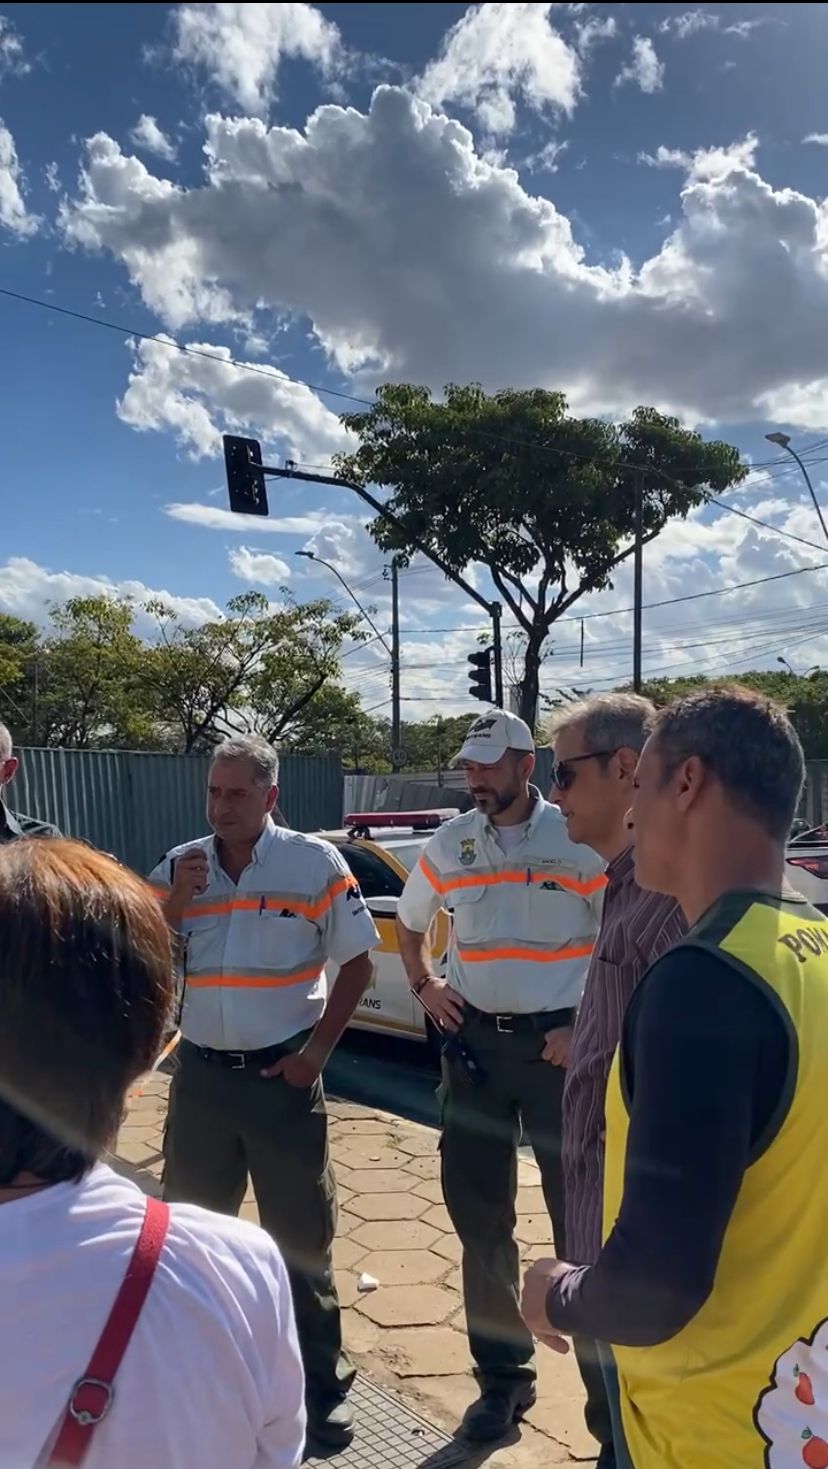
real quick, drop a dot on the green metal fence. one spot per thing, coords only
(137, 806)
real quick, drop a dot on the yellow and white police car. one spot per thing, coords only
(380, 848)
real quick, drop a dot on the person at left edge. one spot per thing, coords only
(14, 824)
(260, 909)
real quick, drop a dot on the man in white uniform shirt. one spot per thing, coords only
(526, 904)
(260, 910)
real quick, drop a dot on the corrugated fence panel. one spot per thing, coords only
(167, 796)
(310, 791)
(137, 806)
(82, 791)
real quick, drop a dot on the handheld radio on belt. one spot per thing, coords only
(454, 1048)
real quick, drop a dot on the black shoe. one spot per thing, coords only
(496, 1410)
(331, 1425)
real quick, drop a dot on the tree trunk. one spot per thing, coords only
(530, 683)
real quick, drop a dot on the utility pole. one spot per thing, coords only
(638, 578)
(397, 753)
(496, 612)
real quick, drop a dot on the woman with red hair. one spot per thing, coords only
(132, 1334)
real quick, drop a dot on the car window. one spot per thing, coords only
(375, 877)
(407, 853)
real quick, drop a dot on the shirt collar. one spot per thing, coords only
(622, 868)
(260, 850)
(9, 825)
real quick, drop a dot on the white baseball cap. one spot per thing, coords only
(491, 735)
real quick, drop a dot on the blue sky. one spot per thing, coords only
(626, 202)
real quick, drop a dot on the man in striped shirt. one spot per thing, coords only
(597, 745)
(259, 911)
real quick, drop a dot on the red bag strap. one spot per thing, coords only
(93, 1393)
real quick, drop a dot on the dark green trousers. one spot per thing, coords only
(223, 1125)
(482, 1127)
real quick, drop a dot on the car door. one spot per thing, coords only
(388, 1004)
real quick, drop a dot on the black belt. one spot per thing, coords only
(241, 1060)
(538, 1020)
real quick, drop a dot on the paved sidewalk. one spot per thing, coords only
(408, 1334)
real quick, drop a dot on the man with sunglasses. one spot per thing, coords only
(525, 903)
(597, 745)
(13, 824)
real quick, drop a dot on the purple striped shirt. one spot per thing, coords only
(636, 929)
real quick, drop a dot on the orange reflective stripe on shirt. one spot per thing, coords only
(522, 876)
(537, 956)
(252, 981)
(267, 902)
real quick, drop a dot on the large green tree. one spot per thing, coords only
(513, 482)
(804, 696)
(257, 667)
(89, 677)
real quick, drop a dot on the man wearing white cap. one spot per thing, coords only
(525, 903)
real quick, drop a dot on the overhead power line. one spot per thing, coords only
(172, 344)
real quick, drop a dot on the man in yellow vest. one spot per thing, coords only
(712, 1285)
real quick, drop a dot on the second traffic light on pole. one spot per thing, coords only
(480, 675)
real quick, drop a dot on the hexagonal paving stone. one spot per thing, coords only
(388, 1206)
(408, 1305)
(361, 1154)
(449, 1247)
(360, 1127)
(533, 1229)
(380, 1180)
(417, 1144)
(346, 1223)
(404, 1267)
(426, 1351)
(346, 1252)
(400, 1234)
(346, 1288)
(424, 1167)
(530, 1200)
(429, 1188)
(438, 1215)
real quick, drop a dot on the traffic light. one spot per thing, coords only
(480, 675)
(245, 480)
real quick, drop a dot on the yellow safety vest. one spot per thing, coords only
(745, 1384)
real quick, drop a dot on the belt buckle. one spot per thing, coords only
(240, 1063)
(90, 1417)
(504, 1024)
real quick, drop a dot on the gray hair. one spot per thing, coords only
(608, 722)
(5, 741)
(262, 757)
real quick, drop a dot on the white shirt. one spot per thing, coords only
(212, 1376)
(525, 919)
(255, 951)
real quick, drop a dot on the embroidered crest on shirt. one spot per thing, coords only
(468, 852)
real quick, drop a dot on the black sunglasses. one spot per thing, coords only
(562, 773)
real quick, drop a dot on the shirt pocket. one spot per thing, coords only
(471, 913)
(557, 917)
(280, 939)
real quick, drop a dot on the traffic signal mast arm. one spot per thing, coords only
(248, 495)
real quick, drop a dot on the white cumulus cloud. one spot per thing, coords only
(13, 212)
(242, 46)
(12, 55)
(499, 53)
(259, 567)
(643, 69)
(27, 589)
(211, 517)
(821, 139)
(200, 394)
(148, 135)
(412, 257)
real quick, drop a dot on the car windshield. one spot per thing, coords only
(406, 852)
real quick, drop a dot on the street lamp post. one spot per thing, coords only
(393, 651)
(783, 441)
